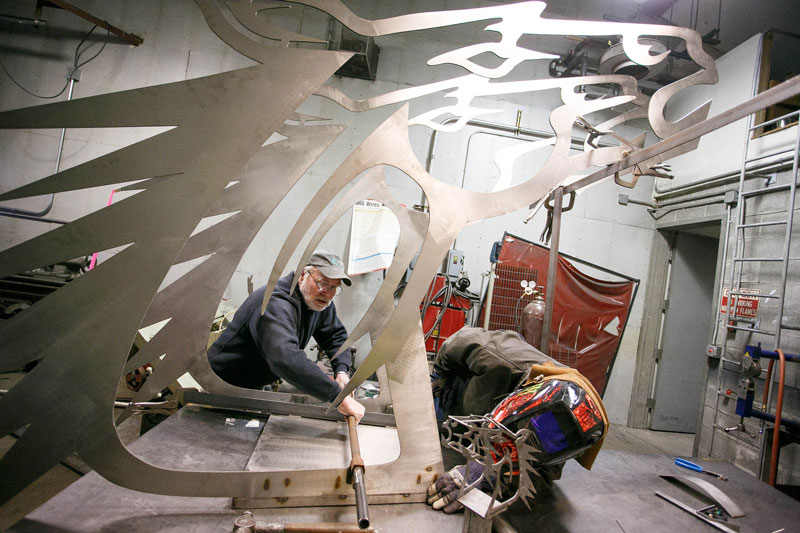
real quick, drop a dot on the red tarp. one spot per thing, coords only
(589, 314)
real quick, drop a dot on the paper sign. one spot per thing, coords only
(374, 232)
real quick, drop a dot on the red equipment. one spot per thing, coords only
(455, 314)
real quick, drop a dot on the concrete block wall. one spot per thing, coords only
(737, 446)
(178, 45)
(720, 152)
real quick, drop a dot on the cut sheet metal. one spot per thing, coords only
(451, 209)
(92, 322)
(713, 492)
(219, 123)
(696, 513)
(191, 301)
(255, 17)
(524, 18)
(412, 229)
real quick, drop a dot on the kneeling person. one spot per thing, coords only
(554, 415)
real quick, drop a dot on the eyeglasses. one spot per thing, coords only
(326, 287)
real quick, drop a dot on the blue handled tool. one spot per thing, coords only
(697, 468)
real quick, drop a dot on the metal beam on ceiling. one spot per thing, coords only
(131, 38)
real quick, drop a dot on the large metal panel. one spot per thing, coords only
(688, 320)
(83, 332)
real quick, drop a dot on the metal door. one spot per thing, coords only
(687, 324)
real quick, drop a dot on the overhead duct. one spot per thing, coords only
(614, 61)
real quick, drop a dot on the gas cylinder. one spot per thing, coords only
(533, 320)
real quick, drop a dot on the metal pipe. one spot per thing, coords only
(787, 422)
(723, 178)
(36, 215)
(552, 271)
(134, 40)
(758, 353)
(357, 475)
(681, 208)
(246, 523)
(260, 405)
(32, 217)
(689, 199)
(721, 291)
(776, 436)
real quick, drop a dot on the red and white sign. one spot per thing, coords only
(746, 306)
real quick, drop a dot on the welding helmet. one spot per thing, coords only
(562, 418)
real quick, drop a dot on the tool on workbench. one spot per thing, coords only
(355, 475)
(697, 468)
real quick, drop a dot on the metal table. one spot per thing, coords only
(617, 495)
(201, 438)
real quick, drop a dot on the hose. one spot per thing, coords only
(517, 318)
(426, 305)
(773, 466)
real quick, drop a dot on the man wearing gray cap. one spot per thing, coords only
(257, 349)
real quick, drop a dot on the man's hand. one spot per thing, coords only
(443, 493)
(350, 407)
(342, 378)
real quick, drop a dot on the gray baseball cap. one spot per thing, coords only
(330, 265)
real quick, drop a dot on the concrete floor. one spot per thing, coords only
(625, 439)
(59, 477)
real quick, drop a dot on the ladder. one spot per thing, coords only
(755, 189)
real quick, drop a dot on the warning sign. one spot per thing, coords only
(746, 306)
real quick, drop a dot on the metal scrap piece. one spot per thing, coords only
(712, 491)
(693, 512)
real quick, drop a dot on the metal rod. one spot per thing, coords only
(734, 293)
(323, 527)
(791, 424)
(5, 213)
(131, 38)
(723, 178)
(489, 293)
(247, 523)
(772, 121)
(552, 270)
(37, 215)
(718, 303)
(357, 472)
(766, 354)
(280, 407)
(759, 192)
(763, 224)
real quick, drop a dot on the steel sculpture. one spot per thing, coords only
(219, 124)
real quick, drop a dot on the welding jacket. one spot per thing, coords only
(256, 349)
(475, 369)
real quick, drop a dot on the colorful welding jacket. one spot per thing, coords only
(563, 420)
